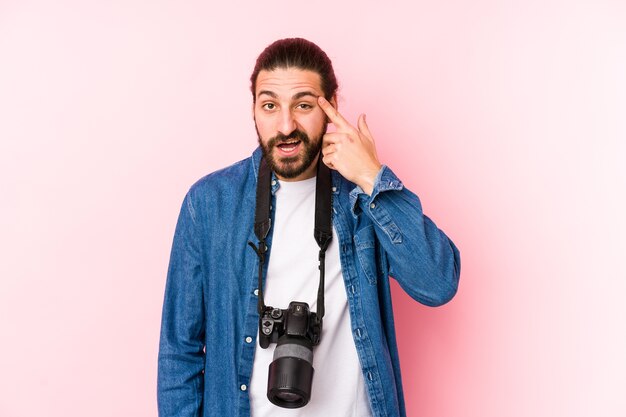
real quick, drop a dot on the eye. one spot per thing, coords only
(268, 106)
(304, 106)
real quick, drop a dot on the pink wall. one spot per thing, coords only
(507, 118)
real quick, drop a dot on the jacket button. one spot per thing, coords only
(243, 387)
(372, 205)
(256, 292)
(248, 339)
(273, 182)
(334, 189)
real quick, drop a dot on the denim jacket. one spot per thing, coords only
(210, 320)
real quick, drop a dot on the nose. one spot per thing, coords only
(286, 123)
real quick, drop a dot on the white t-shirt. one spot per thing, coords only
(338, 388)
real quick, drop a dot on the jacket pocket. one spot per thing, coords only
(365, 242)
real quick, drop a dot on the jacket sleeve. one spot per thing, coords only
(181, 350)
(421, 257)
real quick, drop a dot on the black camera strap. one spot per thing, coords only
(322, 231)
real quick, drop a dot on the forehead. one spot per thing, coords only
(287, 81)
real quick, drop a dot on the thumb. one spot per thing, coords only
(362, 124)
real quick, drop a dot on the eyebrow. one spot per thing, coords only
(269, 93)
(303, 94)
(296, 96)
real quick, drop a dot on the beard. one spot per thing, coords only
(292, 166)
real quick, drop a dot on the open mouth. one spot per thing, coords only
(290, 147)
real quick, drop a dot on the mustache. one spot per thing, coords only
(295, 135)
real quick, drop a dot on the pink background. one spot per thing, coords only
(506, 117)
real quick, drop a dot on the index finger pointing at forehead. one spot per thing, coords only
(332, 113)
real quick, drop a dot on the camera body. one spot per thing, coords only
(295, 331)
(295, 321)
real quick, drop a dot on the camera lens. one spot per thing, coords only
(290, 397)
(291, 373)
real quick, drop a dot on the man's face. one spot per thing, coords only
(289, 122)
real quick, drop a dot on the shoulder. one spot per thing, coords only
(221, 192)
(231, 177)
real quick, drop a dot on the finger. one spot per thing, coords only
(326, 151)
(363, 128)
(328, 163)
(335, 117)
(334, 137)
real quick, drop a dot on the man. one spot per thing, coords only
(210, 361)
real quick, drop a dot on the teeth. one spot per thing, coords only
(288, 146)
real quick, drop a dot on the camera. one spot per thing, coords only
(295, 331)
